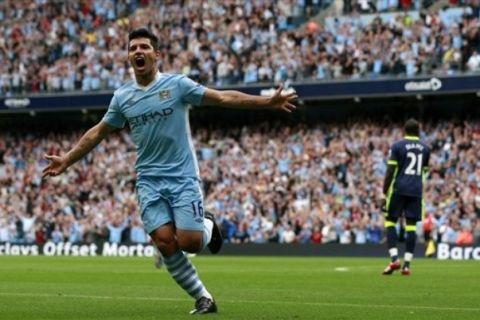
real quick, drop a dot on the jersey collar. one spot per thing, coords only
(414, 138)
(147, 87)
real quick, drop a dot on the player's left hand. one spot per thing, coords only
(283, 101)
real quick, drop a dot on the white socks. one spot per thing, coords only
(393, 252)
(207, 231)
(408, 256)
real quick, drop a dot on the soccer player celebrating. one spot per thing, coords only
(170, 199)
(403, 188)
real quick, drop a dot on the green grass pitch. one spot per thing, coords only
(244, 287)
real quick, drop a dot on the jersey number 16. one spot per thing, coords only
(197, 208)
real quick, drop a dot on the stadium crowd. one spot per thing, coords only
(53, 46)
(374, 6)
(268, 183)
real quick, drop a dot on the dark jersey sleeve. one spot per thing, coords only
(393, 155)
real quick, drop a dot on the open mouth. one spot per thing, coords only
(140, 61)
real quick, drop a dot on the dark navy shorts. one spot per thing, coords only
(405, 206)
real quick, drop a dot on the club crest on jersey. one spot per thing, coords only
(164, 94)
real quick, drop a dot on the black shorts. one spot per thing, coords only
(406, 206)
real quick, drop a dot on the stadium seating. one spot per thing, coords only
(267, 183)
(50, 46)
(295, 184)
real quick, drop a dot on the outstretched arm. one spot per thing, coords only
(237, 99)
(58, 164)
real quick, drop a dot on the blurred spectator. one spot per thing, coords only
(116, 225)
(473, 62)
(137, 233)
(465, 237)
(267, 183)
(55, 46)
(4, 231)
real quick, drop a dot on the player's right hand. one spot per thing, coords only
(56, 166)
(282, 101)
(383, 205)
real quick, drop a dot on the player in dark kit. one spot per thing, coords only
(403, 188)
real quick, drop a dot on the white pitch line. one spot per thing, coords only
(342, 269)
(328, 304)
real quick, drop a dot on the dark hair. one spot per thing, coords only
(144, 33)
(412, 127)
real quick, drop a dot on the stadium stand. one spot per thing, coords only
(54, 46)
(307, 183)
(373, 6)
(267, 183)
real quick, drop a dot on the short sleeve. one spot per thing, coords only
(114, 116)
(392, 155)
(191, 91)
(427, 158)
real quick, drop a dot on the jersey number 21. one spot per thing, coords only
(414, 167)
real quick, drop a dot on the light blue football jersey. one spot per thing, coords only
(158, 119)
